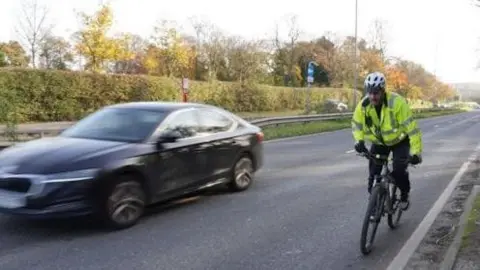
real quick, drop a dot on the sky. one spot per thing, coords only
(442, 35)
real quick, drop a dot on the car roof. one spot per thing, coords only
(159, 105)
(168, 106)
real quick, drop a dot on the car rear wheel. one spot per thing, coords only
(242, 177)
(124, 203)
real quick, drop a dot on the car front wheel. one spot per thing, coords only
(124, 203)
(242, 174)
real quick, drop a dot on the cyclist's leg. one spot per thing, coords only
(375, 169)
(401, 151)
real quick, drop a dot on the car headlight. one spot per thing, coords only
(70, 176)
(46, 181)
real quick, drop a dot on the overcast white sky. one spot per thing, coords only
(415, 27)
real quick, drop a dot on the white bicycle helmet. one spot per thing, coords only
(375, 82)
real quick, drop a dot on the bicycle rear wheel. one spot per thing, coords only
(394, 217)
(374, 208)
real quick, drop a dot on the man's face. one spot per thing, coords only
(375, 97)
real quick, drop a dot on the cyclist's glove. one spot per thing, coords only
(416, 159)
(360, 147)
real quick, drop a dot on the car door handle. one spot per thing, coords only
(184, 150)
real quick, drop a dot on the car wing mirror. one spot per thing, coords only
(168, 137)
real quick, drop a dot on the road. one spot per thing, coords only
(304, 212)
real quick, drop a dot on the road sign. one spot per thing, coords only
(310, 79)
(310, 71)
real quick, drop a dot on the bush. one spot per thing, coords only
(50, 95)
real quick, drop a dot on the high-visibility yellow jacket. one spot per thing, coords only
(395, 123)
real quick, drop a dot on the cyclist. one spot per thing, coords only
(385, 119)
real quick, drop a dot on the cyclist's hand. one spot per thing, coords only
(360, 147)
(416, 159)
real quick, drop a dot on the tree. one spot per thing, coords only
(124, 53)
(378, 37)
(397, 80)
(175, 57)
(55, 53)
(3, 59)
(33, 27)
(93, 41)
(246, 60)
(15, 54)
(370, 60)
(210, 49)
(200, 28)
(286, 70)
(132, 50)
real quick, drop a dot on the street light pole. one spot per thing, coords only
(355, 58)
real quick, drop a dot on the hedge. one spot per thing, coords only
(31, 95)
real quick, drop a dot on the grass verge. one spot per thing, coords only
(471, 226)
(297, 129)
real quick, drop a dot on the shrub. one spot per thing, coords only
(50, 95)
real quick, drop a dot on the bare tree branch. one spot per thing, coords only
(32, 27)
(378, 36)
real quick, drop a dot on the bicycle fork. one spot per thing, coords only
(390, 202)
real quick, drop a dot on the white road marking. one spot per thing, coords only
(402, 258)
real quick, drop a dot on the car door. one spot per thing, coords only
(218, 129)
(180, 162)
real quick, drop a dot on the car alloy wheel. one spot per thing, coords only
(243, 174)
(126, 203)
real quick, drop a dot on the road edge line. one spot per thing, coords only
(410, 246)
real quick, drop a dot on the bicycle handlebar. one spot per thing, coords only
(383, 158)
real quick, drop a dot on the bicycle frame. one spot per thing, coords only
(387, 183)
(385, 180)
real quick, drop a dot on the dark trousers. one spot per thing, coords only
(401, 151)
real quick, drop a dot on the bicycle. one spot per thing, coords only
(388, 201)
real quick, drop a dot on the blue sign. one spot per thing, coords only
(310, 71)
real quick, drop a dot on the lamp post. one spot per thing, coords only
(355, 60)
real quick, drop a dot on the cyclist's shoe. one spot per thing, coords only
(404, 203)
(372, 215)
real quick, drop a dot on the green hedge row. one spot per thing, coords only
(29, 95)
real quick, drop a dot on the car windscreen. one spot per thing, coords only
(117, 124)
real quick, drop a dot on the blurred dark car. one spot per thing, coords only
(124, 157)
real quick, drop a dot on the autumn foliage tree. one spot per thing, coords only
(397, 79)
(94, 44)
(14, 54)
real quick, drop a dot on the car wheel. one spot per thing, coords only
(242, 177)
(124, 203)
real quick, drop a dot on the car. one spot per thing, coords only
(122, 158)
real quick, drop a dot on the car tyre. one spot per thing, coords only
(242, 174)
(124, 203)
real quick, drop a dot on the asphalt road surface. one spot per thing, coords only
(304, 212)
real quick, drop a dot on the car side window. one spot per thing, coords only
(186, 123)
(214, 122)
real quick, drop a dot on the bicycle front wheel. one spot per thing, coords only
(396, 211)
(372, 217)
